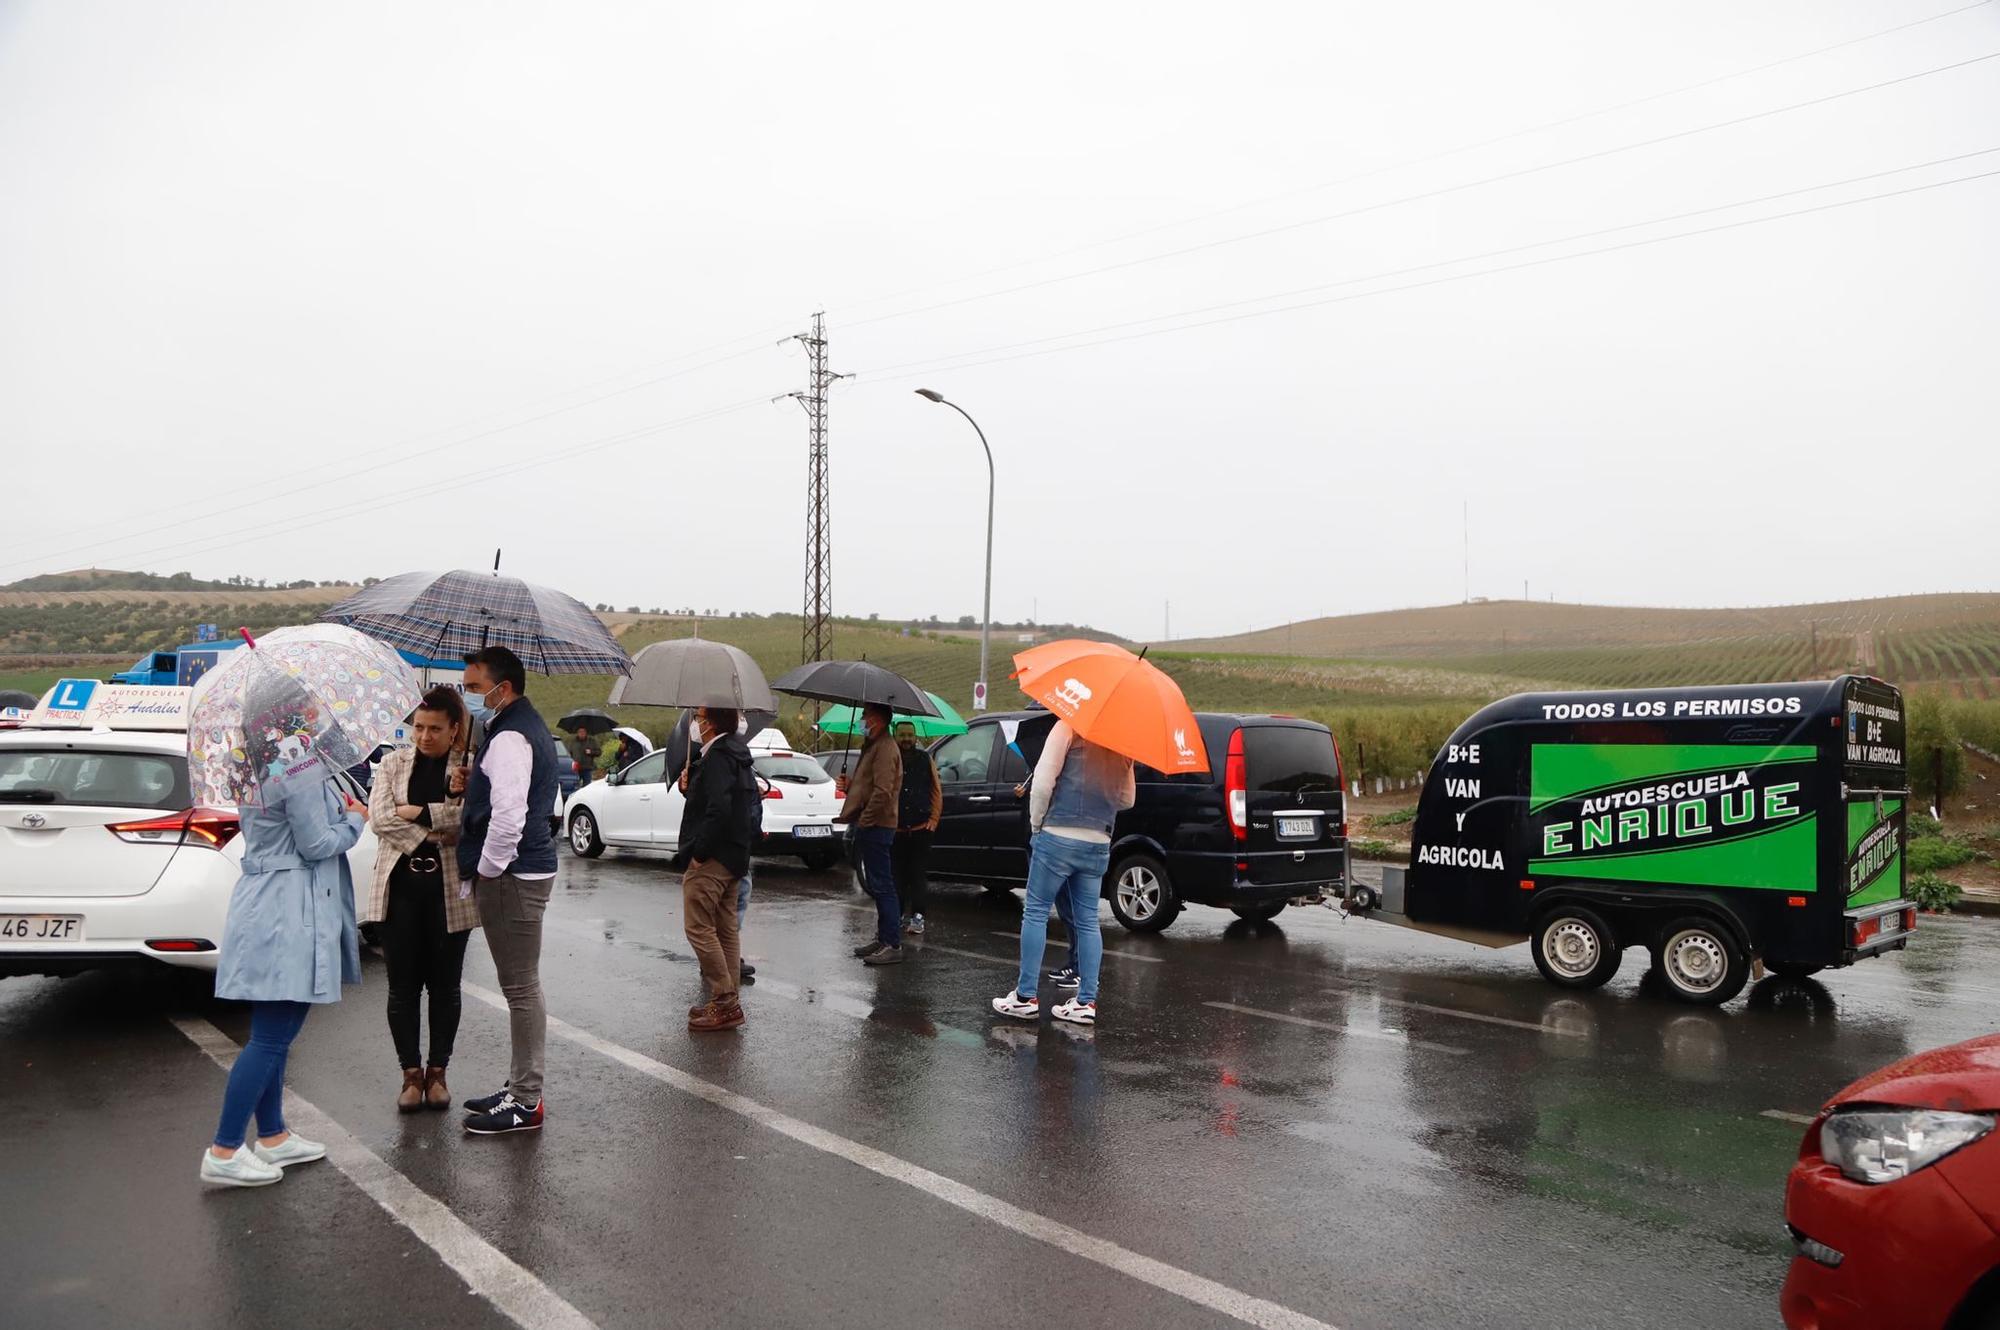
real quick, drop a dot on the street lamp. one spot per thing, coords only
(986, 617)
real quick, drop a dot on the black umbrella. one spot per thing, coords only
(857, 683)
(679, 741)
(14, 697)
(588, 719)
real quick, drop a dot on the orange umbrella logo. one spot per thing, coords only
(1116, 700)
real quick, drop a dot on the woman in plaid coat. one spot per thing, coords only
(424, 911)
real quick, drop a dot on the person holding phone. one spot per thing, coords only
(289, 942)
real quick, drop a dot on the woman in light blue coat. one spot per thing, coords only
(289, 941)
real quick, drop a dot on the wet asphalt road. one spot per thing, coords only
(1357, 1124)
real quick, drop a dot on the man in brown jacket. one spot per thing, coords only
(873, 793)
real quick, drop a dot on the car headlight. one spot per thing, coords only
(1884, 1144)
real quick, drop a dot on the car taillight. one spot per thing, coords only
(1236, 787)
(209, 826)
(774, 793)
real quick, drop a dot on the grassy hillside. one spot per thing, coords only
(132, 623)
(1948, 642)
(111, 579)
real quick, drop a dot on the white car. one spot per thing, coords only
(639, 808)
(105, 861)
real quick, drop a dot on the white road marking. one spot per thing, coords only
(1126, 955)
(1782, 1116)
(486, 1270)
(1392, 1036)
(1185, 1284)
(1537, 1027)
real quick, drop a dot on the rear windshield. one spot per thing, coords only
(1284, 760)
(95, 779)
(793, 770)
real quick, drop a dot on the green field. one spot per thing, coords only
(1392, 686)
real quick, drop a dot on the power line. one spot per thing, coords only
(1460, 277)
(379, 502)
(945, 362)
(1440, 192)
(1412, 162)
(345, 469)
(342, 470)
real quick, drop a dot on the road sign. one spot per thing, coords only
(71, 695)
(205, 632)
(979, 696)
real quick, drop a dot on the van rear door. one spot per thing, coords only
(1293, 809)
(1874, 781)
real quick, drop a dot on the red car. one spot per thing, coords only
(1895, 1200)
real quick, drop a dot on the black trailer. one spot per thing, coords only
(1714, 826)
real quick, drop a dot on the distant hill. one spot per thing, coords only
(111, 579)
(1951, 640)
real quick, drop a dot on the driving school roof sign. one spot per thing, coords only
(86, 704)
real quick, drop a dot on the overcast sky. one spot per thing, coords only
(267, 270)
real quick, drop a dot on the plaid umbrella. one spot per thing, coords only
(443, 615)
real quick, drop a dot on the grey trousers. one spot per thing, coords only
(510, 914)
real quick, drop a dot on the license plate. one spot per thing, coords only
(41, 927)
(1891, 924)
(812, 832)
(1292, 827)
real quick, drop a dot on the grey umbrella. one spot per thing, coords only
(449, 614)
(857, 683)
(692, 672)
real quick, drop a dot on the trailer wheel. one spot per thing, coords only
(1701, 961)
(1575, 948)
(1142, 895)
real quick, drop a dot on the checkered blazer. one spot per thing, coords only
(397, 838)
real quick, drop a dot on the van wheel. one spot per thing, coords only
(1700, 961)
(1575, 948)
(1142, 896)
(1258, 914)
(819, 861)
(583, 834)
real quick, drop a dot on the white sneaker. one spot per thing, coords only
(295, 1149)
(242, 1169)
(1076, 1013)
(1013, 1004)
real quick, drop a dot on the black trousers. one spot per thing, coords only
(911, 856)
(422, 955)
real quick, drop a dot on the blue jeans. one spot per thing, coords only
(743, 897)
(876, 847)
(1073, 871)
(257, 1079)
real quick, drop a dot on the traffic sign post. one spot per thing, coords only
(979, 696)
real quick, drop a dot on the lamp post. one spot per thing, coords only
(986, 614)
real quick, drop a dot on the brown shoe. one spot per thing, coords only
(437, 1095)
(412, 1096)
(720, 1015)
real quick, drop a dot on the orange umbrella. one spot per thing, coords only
(1115, 699)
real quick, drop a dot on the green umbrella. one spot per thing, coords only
(847, 720)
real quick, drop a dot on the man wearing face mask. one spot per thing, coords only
(507, 850)
(870, 808)
(718, 828)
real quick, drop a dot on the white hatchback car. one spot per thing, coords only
(639, 808)
(105, 860)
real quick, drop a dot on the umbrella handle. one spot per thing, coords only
(248, 640)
